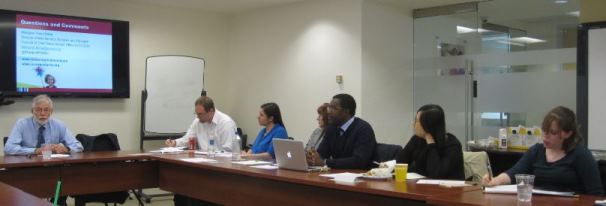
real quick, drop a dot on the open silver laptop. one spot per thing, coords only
(291, 155)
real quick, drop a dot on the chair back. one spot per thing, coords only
(4, 140)
(476, 165)
(385, 152)
(102, 142)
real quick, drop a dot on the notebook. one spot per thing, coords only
(291, 155)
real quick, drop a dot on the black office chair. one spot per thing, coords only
(102, 142)
(243, 139)
(4, 140)
(386, 152)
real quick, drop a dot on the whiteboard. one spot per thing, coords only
(596, 72)
(173, 84)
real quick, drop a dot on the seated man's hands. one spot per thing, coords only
(59, 149)
(314, 158)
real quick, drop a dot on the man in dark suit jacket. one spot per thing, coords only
(349, 142)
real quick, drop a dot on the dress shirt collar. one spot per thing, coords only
(346, 125)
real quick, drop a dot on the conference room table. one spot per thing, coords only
(227, 183)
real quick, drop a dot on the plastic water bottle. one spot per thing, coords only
(503, 138)
(211, 146)
(235, 148)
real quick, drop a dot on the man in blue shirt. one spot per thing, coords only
(30, 133)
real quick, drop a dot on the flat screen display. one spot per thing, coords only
(63, 55)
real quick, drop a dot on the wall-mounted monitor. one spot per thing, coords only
(63, 56)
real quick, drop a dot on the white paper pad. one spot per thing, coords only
(252, 162)
(218, 154)
(169, 150)
(59, 155)
(440, 182)
(199, 159)
(266, 167)
(414, 176)
(345, 177)
(513, 189)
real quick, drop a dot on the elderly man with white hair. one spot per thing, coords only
(29, 133)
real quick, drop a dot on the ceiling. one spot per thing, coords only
(236, 6)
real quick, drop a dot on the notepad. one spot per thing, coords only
(414, 176)
(512, 189)
(344, 177)
(169, 150)
(59, 155)
(266, 167)
(199, 159)
(252, 162)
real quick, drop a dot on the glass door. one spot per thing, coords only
(490, 69)
(445, 39)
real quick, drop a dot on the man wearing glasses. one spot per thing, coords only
(30, 133)
(349, 142)
(209, 123)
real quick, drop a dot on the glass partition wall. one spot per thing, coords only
(495, 64)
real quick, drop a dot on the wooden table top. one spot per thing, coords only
(13, 196)
(478, 197)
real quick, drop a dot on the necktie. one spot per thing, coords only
(40, 136)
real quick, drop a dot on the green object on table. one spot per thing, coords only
(57, 190)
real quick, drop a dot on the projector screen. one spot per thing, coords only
(63, 56)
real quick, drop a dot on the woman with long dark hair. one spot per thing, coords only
(431, 151)
(271, 118)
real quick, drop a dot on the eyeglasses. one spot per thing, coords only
(40, 110)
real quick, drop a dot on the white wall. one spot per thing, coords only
(387, 57)
(153, 31)
(290, 55)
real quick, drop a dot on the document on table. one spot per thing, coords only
(345, 177)
(266, 167)
(414, 176)
(59, 155)
(218, 154)
(169, 150)
(513, 189)
(445, 183)
(252, 162)
(199, 159)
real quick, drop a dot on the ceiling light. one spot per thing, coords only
(464, 30)
(574, 13)
(561, 1)
(527, 40)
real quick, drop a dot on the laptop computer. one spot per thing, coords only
(291, 155)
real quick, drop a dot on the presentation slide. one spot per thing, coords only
(63, 55)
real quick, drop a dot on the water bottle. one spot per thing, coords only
(235, 148)
(503, 138)
(211, 146)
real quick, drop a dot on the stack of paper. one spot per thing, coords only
(168, 150)
(345, 177)
(513, 189)
(199, 159)
(252, 162)
(445, 183)
(414, 176)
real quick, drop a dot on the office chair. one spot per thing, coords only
(476, 165)
(102, 142)
(4, 140)
(386, 152)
